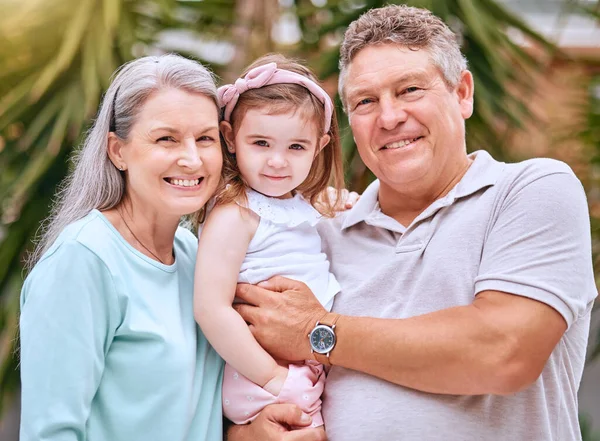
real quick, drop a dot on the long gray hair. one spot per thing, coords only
(95, 182)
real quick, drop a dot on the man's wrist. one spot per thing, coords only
(325, 336)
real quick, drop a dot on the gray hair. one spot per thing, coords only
(95, 182)
(407, 26)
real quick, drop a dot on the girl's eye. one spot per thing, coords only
(166, 138)
(296, 147)
(262, 143)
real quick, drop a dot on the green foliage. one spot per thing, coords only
(591, 136)
(587, 432)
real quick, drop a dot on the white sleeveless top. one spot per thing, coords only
(286, 243)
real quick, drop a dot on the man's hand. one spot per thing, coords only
(274, 424)
(281, 313)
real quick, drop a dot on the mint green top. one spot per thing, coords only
(110, 350)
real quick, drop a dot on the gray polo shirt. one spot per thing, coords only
(518, 228)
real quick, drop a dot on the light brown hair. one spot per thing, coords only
(326, 168)
(407, 26)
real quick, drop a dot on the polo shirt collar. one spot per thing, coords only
(483, 172)
(366, 204)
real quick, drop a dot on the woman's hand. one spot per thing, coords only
(274, 424)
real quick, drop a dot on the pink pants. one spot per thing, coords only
(243, 400)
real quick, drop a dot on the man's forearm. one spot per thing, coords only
(466, 350)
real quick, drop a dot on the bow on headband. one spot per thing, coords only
(267, 75)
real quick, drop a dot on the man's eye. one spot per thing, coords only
(411, 89)
(297, 147)
(205, 138)
(365, 101)
(261, 143)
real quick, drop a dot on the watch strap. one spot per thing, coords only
(330, 319)
(322, 358)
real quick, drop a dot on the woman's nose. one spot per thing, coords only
(190, 156)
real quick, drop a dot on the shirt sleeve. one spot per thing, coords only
(69, 314)
(539, 245)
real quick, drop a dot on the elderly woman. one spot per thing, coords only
(109, 346)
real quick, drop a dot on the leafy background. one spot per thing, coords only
(56, 59)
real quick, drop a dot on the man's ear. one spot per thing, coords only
(323, 141)
(115, 147)
(464, 92)
(228, 136)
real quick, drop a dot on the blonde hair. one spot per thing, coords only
(326, 168)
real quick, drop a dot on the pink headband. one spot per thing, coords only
(267, 75)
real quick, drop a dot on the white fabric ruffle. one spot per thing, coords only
(290, 212)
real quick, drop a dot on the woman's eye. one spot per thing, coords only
(166, 138)
(205, 138)
(297, 147)
(412, 89)
(262, 143)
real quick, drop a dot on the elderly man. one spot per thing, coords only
(467, 283)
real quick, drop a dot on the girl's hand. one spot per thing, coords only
(346, 200)
(273, 424)
(275, 384)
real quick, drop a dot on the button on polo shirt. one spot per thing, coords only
(518, 228)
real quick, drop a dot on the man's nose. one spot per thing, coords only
(392, 113)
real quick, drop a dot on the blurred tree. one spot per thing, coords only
(590, 134)
(587, 431)
(56, 59)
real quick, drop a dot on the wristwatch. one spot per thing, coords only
(322, 338)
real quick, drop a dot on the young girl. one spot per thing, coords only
(282, 151)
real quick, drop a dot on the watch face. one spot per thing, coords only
(322, 339)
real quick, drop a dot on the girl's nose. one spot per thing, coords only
(277, 161)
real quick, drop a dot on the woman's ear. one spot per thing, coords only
(323, 141)
(227, 132)
(115, 146)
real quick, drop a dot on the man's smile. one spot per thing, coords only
(399, 144)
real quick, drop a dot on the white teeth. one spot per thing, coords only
(184, 182)
(397, 145)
